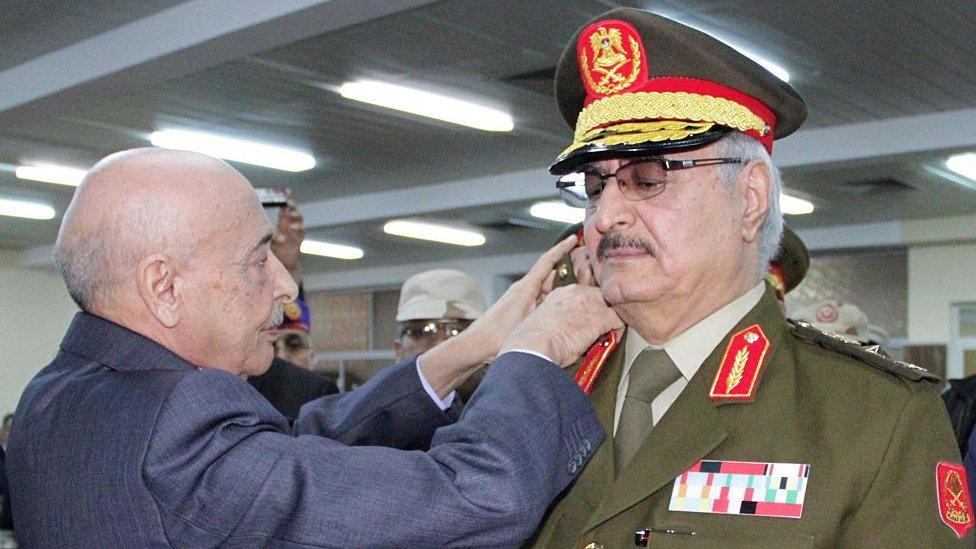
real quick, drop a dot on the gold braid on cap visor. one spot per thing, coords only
(635, 133)
(666, 106)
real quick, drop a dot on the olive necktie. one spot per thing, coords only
(652, 372)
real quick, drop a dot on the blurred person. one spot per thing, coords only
(293, 343)
(433, 307)
(731, 425)
(788, 267)
(843, 319)
(143, 432)
(289, 383)
(6, 518)
(5, 429)
(960, 401)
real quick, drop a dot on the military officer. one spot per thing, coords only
(790, 265)
(732, 427)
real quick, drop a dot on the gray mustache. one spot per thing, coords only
(612, 241)
(277, 317)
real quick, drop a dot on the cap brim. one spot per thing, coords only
(608, 145)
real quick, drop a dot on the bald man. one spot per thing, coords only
(143, 433)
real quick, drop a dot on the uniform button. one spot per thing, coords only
(594, 545)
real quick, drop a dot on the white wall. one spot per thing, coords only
(938, 276)
(35, 311)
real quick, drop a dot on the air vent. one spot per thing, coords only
(539, 81)
(878, 186)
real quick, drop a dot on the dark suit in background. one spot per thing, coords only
(6, 520)
(289, 387)
(120, 443)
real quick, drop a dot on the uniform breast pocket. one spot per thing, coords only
(732, 539)
(730, 531)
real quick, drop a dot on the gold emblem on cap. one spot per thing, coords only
(609, 59)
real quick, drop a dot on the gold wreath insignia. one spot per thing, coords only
(738, 368)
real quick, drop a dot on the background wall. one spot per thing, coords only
(874, 281)
(35, 311)
(938, 277)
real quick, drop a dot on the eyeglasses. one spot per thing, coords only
(434, 329)
(637, 180)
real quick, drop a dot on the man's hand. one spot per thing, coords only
(450, 363)
(581, 267)
(565, 325)
(287, 243)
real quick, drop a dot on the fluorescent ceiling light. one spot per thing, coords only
(49, 173)
(434, 232)
(791, 205)
(28, 210)
(327, 249)
(963, 164)
(431, 105)
(777, 70)
(237, 150)
(557, 211)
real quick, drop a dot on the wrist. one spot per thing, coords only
(447, 365)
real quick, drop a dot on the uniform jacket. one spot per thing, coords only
(120, 443)
(288, 387)
(871, 437)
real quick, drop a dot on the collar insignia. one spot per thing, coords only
(741, 365)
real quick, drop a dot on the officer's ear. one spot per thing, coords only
(160, 288)
(756, 184)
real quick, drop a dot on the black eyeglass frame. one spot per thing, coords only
(666, 164)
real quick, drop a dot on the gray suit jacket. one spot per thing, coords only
(120, 443)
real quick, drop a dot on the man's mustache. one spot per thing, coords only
(615, 240)
(277, 317)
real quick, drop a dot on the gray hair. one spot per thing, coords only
(96, 262)
(740, 145)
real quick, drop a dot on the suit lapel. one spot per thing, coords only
(690, 430)
(597, 479)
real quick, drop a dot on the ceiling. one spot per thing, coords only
(859, 64)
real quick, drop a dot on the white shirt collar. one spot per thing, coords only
(689, 349)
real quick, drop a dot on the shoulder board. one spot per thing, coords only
(853, 349)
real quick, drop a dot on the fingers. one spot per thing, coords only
(546, 286)
(545, 264)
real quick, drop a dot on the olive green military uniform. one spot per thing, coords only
(871, 430)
